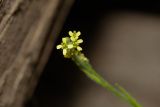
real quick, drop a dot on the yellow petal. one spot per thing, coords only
(70, 46)
(64, 52)
(72, 38)
(64, 40)
(70, 33)
(78, 33)
(59, 46)
(79, 48)
(79, 41)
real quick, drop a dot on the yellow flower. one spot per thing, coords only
(70, 45)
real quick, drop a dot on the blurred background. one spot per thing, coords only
(122, 41)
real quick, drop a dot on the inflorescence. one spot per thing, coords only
(70, 45)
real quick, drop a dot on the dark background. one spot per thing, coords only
(61, 78)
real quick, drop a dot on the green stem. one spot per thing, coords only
(86, 67)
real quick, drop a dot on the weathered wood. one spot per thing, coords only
(28, 29)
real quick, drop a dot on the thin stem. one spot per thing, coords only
(86, 67)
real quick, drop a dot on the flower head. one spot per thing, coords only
(70, 45)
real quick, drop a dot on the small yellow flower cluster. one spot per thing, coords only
(70, 45)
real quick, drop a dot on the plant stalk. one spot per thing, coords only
(83, 63)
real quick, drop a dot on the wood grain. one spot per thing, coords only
(28, 29)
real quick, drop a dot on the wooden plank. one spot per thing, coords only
(28, 29)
